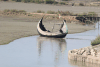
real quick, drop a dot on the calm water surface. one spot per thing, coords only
(36, 51)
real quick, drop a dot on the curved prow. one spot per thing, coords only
(41, 25)
(43, 32)
(64, 28)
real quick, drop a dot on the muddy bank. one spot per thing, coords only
(12, 28)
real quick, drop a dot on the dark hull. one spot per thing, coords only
(53, 36)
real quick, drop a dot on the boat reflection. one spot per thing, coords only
(58, 41)
(51, 48)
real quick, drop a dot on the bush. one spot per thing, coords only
(49, 1)
(51, 12)
(29, 14)
(39, 11)
(13, 11)
(89, 14)
(62, 3)
(17, 0)
(6, 10)
(22, 11)
(96, 41)
(55, 2)
(37, 1)
(25, 1)
(66, 0)
(81, 4)
(92, 14)
(65, 13)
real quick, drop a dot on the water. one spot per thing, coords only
(36, 51)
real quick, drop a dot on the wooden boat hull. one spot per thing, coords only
(43, 32)
(53, 36)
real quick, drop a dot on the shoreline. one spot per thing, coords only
(12, 28)
(89, 54)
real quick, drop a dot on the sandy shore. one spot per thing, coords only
(12, 28)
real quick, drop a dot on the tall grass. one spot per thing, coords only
(96, 41)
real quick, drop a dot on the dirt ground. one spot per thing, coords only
(12, 28)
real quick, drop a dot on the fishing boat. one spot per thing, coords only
(61, 33)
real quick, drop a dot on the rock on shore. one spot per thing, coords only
(88, 54)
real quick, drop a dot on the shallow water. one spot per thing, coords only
(36, 51)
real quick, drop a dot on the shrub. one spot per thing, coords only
(22, 11)
(73, 4)
(51, 12)
(65, 13)
(36, 1)
(81, 4)
(25, 1)
(29, 14)
(6, 10)
(55, 2)
(66, 0)
(89, 14)
(92, 14)
(62, 3)
(96, 41)
(17, 0)
(39, 11)
(49, 1)
(13, 11)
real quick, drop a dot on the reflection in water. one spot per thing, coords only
(83, 64)
(57, 47)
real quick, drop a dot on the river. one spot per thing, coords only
(36, 51)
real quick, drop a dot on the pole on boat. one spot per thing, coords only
(98, 25)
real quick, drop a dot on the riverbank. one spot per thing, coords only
(89, 54)
(12, 28)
